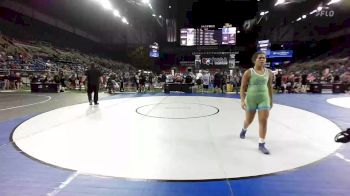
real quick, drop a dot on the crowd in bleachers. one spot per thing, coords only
(328, 70)
(41, 62)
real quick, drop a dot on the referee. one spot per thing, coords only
(93, 77)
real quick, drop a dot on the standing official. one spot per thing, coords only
(93, 78)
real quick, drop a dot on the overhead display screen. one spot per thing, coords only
(208, 37)
(279, 53)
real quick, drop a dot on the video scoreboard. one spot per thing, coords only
(208, 37)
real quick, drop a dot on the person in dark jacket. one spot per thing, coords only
(93, 78)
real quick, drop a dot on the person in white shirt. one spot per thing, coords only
(199, 80)
(206, 80)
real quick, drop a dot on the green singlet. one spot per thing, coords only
(258, 93)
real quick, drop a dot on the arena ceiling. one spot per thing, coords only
(88, 16)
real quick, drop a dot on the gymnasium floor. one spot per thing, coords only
(177, 144)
